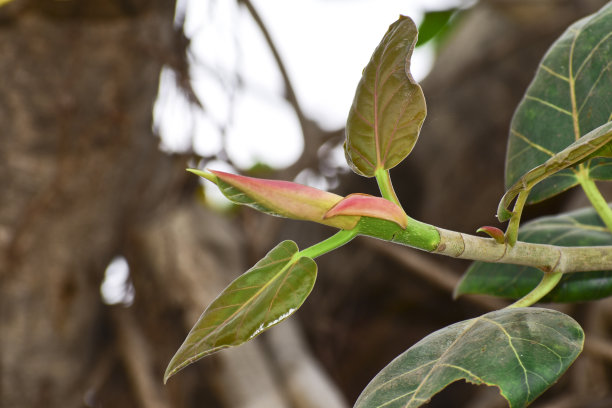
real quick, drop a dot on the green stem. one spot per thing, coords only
(335, 241)
(598, 201)
(548, 283)
(383, 178)
(517, 211)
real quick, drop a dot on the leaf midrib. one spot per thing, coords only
(252, 298)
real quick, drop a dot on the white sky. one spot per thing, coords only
(324, 44)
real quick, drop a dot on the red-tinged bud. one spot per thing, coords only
(369, 206)
(283, 198)
(495, 233)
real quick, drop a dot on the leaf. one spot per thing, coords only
(389, 107)
(522, 351)
(280, 198)
(568, 98)
(263, 296)
(495, 233)
(578, 228)
(370, 206)
(434, 24)
(596, 143)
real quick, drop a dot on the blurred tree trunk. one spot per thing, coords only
(83, 181)
(80, 167)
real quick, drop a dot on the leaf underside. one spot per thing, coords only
(568, 98)
(594, 145)
(577, 228)
(522, 351)
(389, 106)
(263, 296)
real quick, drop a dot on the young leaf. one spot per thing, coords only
(578, 228)
(522, 351)
(495, 233)
(389, 107)
(280, 198)
(596, 143)
(369, 206)
(568, 98)
(265, 295)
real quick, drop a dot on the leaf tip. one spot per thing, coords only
(503, 214)
(495, 233)
(208, 176)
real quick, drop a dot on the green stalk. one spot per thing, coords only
(383, 178)
(517, 211)
(335, 241)
(548, 283)
(597, 200)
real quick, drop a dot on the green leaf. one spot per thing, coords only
(522, 351)
(265, 295)
(578, 228)
(593, 145)
(389, 107)
(568, 98)
(434, 23)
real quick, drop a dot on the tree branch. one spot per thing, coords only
(289, 91)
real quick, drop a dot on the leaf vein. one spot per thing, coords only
(549, 104)
(530, 143)
(516, 354)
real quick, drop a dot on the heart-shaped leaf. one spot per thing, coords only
(389, 107)
(595, 144)
(263, 296)
(522, 351)
(578, 228)
(568, 98)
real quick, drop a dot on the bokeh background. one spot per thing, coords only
(110, 251)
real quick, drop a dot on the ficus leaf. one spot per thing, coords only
(522, 351)
(370, 206)
(263, 296)
(280, 198)
(389, 107)
(568, 98)
(577, 228)
(495, 233)
(597, 143)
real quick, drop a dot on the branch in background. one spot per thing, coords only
(134, 353)
(314, 136)
(289, 91)
(306, 382)
(433, 272)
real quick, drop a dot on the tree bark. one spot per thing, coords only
(83, 181)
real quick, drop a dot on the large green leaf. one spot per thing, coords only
(266, 294)
(568, 98)
(522, 351)
(593, 145)
(389, 107)
(578, 228)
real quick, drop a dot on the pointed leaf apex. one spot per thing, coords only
(207, 176)
(495, 233)
(369, 206)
